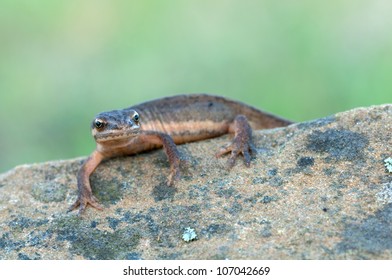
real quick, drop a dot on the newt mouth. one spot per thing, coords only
(115, 135)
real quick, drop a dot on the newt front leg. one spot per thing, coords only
(170, 149)
(85, 194)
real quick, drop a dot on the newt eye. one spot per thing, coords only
(136, 117)
(98, 123)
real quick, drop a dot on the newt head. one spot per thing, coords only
(115, 126)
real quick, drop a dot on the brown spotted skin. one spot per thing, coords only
(169, 121)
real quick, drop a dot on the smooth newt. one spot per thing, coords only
(166, 122)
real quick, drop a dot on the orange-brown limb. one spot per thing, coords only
(241, 143)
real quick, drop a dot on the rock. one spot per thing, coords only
(316, 190)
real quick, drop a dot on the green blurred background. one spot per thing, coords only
(61, 62)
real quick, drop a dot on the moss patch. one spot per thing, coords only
(49, 192)
(93, 243)
(339, 144)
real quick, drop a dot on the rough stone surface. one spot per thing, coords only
(316, 190)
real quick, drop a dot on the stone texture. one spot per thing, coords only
(316, 190)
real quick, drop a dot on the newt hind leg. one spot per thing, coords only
(241, 143)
